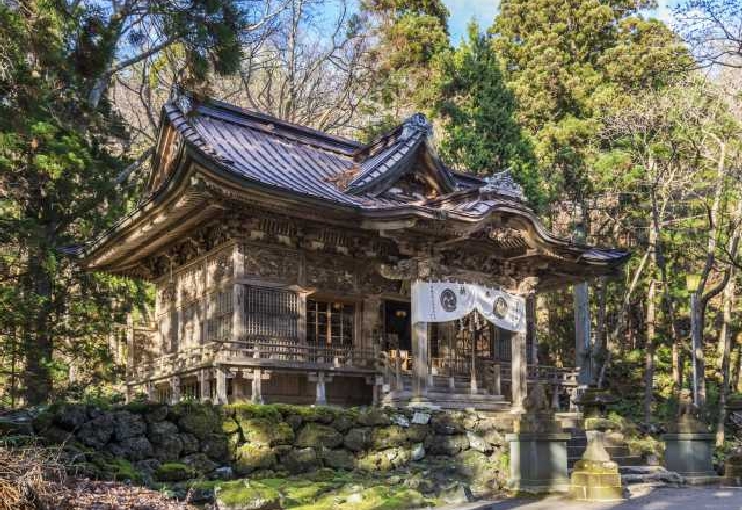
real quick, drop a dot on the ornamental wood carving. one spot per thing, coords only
(272, 264)
(221, 268)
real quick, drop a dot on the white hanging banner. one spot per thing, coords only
(441, 302)
(444, 302)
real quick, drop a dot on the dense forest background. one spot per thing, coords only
(623, 131)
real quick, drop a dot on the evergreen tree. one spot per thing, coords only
(478, 112)
(567, 64)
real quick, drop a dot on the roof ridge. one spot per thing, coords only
(258, 120)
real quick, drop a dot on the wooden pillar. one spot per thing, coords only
(238, 310)
(420, 361)
(174, 389)
(257, 387)
(582, 332)
(220, 374)
(203, 381)
(473, 389)
(496, 379)
(151, 391)
(519, 378)
(321, 399)
(531, 339)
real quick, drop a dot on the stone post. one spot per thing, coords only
(538, 449)
(689, 447)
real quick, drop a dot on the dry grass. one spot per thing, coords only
(34, 478)
(25, 473)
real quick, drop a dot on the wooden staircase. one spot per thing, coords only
(444, 395)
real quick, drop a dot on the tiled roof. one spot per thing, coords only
(305, 161)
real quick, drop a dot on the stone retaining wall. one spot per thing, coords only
(174, 443)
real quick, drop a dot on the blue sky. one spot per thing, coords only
(462, 12)
(484, 11)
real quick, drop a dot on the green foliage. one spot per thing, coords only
(478, 111)
(569, 63)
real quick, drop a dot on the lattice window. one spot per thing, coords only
(503, 344)
(330, 322)
(190, 326)
(221, 316)
(271, 312)
(167, 324)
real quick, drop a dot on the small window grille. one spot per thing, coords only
(271, 312)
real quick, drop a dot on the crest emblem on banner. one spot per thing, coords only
(448, 300)
(500, 307)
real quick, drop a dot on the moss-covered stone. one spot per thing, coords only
(357, 439)
(301, 461)
(264, 432)
(446, 445)
(249, 458)
(199, 420)
(373, 417)
(248, 495)
(387, 437)
(338, 459)
(317, 435)
(174, 472)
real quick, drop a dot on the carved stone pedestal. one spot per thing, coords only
(690, 454)
(538, 449)
(595, 476)
(538, 463)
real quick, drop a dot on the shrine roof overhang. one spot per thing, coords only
(193, 182)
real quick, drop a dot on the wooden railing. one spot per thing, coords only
(491, 374)
(264, 353)
(300, 353)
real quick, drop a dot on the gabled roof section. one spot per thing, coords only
(408, 148)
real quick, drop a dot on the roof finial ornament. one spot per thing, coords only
(416, 122)
(503, 184)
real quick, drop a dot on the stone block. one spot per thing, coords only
(690, 454)
(316, 434)
(538, 463)
(733, 470)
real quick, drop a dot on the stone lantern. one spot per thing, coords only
(595, 476)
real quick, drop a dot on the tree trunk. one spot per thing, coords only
(726, 348)
(649, 357)
(696, 311)
(38, 338)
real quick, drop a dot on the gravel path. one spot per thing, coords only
(692, 498)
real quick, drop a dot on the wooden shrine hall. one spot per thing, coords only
(287, 263)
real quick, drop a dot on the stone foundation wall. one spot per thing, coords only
(173, 443)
